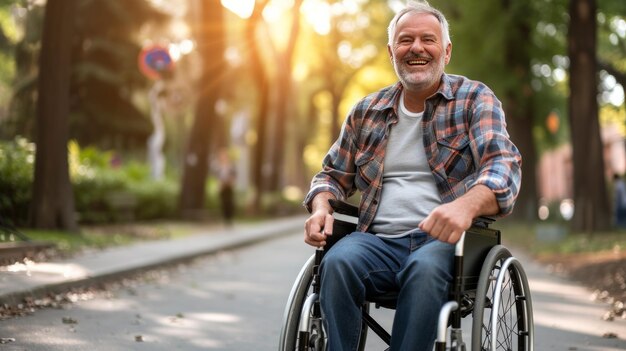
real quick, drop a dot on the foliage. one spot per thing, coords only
(104, 77)
(21, 114)
(103, 190)
(155, 199)
(16, 177)
(107, 190)
(105, 73)
(69, 242)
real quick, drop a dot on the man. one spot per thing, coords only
(429, 154)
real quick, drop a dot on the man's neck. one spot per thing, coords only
(414, 99)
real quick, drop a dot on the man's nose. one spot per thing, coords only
(417, 46)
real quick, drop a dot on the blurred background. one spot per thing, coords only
(116, 110)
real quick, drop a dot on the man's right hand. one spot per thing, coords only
(320, 224)
(317, 227)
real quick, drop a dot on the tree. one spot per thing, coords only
(104, 73)
(53, 202)
(592, 210)
(206, 125)
(261, 79)
(284, 107)
(518, 101)
(363, 43)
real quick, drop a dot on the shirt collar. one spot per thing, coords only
(391, 96)
(445, 89)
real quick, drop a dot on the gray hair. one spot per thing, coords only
(421, 6)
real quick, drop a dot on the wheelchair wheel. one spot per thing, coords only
(502, 317)
(299, 309)
(291, 318)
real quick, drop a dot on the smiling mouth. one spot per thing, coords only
(417, 62)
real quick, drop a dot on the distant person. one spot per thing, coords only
(620, 201)
(226, 175)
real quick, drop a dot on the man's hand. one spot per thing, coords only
(320, 224)
(448, 221)
(317, 227)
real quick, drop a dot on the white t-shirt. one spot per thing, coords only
(409, 191)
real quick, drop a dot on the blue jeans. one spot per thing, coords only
(415, 269)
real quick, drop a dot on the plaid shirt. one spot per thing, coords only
(465, 139)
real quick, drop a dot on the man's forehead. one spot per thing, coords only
(418, 19)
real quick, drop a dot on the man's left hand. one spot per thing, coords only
(447, 222)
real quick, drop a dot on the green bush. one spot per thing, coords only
(104, 191)
(92, 192)
(16, 179)
(155, 199)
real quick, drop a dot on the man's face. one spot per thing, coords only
(417, 51)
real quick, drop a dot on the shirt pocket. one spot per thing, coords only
(367, 169)
(455, 156)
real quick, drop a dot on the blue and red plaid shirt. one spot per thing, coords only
(465, 139)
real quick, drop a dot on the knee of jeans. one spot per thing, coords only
(335, 261)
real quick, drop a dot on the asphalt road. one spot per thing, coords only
(235, 301)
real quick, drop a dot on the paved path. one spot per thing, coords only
(566, 317)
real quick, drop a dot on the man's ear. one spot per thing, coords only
(390, 52)
(448, 53)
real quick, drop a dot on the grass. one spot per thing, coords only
(118, 234)
(72, 242)
(103, 236)
(541, 238)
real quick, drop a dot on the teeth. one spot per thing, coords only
(417, 62)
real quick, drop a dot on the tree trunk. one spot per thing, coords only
(262, 85)
(518, 106)
(211, 44)
(53, 200)
(284, 99)
(592, 210)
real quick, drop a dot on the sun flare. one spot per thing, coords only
(242, 8)
(317, 13)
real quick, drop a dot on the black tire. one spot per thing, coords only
(514, 323)
(300, 290)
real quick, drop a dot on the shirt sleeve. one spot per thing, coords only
(338, 167)
(499, 160)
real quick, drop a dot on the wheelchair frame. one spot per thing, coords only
(482, 267)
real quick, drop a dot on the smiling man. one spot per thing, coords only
(428, 154)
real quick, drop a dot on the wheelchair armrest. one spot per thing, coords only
(483, 221)
(346, 216)
(344, 208)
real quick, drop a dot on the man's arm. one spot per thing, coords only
(448, 221)
(320, 223)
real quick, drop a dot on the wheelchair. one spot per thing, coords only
(488, 284)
